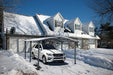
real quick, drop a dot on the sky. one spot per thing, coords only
(70, 9)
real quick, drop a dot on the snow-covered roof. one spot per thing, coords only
(44, 26)
(87, 23)
(76, 20)
(83, 36)
(70, 21)
(67, 29)
(24, 24)
(56, 15)
(37, 25)
(49, 32)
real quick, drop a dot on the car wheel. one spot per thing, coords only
(62, 61)
(33, 56)
(44, 60)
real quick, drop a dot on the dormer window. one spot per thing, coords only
(77, 27)
(91, 29)
(91, 41)
(58, 24)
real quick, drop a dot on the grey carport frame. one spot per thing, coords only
(59, 39)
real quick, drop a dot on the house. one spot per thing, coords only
(17, 28)
(89, 29)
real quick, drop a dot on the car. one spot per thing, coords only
(48, 53)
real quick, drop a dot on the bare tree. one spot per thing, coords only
(102, 8)
(5, 5)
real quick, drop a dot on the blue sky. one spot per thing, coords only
(69, 9)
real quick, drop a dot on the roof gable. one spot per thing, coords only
(91, 24)
(58, 15)
(74, 21)
(88, 24)
(25, 25)
(54, 17)
(77, 21)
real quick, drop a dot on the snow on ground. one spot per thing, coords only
(13, 64)
(89, 62)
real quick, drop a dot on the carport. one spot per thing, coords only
(59, 39)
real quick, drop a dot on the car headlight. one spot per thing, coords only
(49, 54)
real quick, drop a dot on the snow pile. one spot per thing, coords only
(94, 57)
(11, 63)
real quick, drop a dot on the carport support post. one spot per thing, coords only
(38, 67)
(30, 50)
(61, 45)
(75, 53)
(25, 48)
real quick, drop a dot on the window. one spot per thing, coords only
(58, 24)
(49, 26)
(91, 29)
(91, 41)
(48, 46)
(77, 27)
(38, 46)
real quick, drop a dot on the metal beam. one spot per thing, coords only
(61, 45)
(75, 53)
(30, 50)
(25, 48)
(60, 39)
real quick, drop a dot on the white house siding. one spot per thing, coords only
(78, 32)
(80, 43)
(85, 43)
(91, 46)
(92, 26)
(17, 44)
(77, 21)
(65, 45)
(58, 17)
(91, 33)
(91, 43)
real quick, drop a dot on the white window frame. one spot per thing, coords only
(77, 27)
(91, 29)
(91, 41)
(58, 24)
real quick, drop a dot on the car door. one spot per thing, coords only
(38, 47)
(35, 50)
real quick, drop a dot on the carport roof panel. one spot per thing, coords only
(62, 39)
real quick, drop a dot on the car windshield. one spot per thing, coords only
(48, 46)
